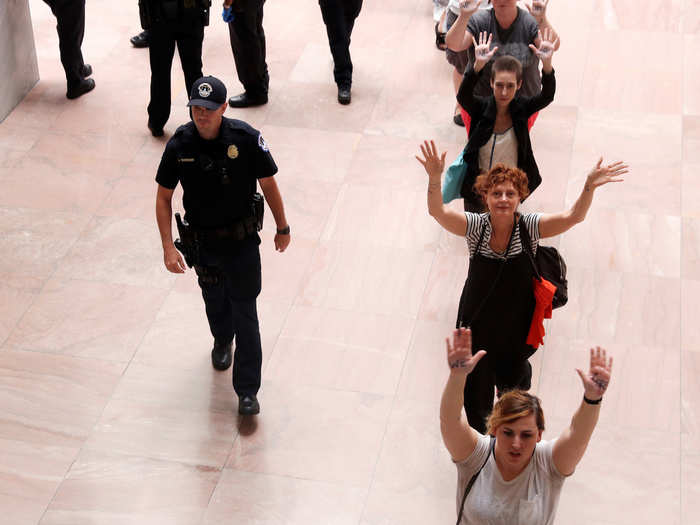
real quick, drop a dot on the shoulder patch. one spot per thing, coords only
(262, 143)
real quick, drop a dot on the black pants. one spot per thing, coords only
(248, 46)
(70, 18)
(164, 36)
(489, 373)
(230, 284)
(339, 17)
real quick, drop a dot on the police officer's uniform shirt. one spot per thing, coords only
(218, 176)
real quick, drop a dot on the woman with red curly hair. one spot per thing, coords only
(497, 300)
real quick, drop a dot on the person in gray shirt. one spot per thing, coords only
(511, 475)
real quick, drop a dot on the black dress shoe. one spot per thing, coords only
(344, 95)
(85, 70)
(221, 356)
(248, 405)
(246, 100)
(156, 131)
(86, 85)
(141, 40)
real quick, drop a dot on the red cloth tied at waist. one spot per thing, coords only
(544, 293)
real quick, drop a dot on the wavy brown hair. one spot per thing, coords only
(514, 405)
(499, 174)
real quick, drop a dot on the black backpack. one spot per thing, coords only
(547, 263)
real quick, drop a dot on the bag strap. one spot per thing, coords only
(473, 480)
(527, 247)
(498, 275)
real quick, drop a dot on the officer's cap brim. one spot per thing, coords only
(209, 104)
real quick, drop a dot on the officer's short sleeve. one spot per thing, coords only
(167, 169)
(263, 163)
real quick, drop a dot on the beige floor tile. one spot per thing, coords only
(17, 293)
(266, 499)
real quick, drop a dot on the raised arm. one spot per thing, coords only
(460, 439)
(434, 164)
(538, 10)
(552, 224)
(571, 445)
(465, 95)
(458, 38)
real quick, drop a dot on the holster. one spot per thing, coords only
(187, 243)
(258, 210)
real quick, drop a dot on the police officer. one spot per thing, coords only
(70, 25)
(339, 17)
(219, 162)
(248, 46)
(171, 23)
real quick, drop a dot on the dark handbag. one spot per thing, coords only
(492, 444)
(548, 264)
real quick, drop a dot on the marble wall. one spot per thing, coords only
(18, 66)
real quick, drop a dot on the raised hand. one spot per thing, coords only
(482, 50)
(459, 353)
(433, 163)
(469, 7)
(596, 381)
(547, 46)
(538, 9)
(601, 175)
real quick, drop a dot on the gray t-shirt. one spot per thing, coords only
(529, 499)
(513, 41)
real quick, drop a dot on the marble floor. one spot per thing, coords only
(110, 412)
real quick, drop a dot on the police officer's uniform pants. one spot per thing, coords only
(230, 285)
(248, 46)
(339, 17)
(70, 18)
(164, 36)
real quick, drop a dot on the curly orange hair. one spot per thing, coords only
(499, 174)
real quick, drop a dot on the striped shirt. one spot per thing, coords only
(475, 223)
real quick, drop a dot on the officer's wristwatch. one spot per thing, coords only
(284, 231)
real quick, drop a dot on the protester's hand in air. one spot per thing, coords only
(538, 9)
(433, 163)
(469, 7)
(482, 50)
(601, 175)
(546, 50)
(596, 381)
(459, 352)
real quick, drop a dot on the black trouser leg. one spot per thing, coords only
(339, 17)
(217, 303)
(189, 47)
(160, 51)
(514, 374)
(248, 46)
(478, 395)
(247, 358)
(70, 25)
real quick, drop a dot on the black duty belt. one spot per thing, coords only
(235, 232)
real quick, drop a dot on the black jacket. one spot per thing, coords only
(482, 111)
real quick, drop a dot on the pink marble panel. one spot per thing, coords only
(690, 305)
(690, 488)
(655, 15)
(116, 148)
(315, 434)
(691, 139)
(33, 242)
(267, 499)
(109, 488)
(690, 194)
(284, 273)
(17, 293)
(691, 76)
(690, 18)
(119, 251)
(53, 400)
(134, 197)
(444, 288)
(366, 278)
(690, 401)
(104, 321)
(690, 250)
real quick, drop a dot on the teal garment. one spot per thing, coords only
(454, 177)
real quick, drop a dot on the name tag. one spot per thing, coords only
(185, 160)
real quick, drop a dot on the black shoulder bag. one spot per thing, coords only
(471, 481)
(547, 263)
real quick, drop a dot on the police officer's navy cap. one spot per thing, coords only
(208, 92)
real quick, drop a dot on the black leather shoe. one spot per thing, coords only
(246, 100)
(86, 85)
(86, 70)
(156, 132)
(248, 405)
(344, 95)
(141, 40)
(221, 356)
